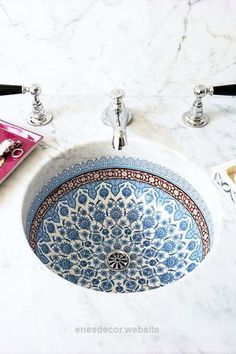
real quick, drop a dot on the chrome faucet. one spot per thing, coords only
(118, 117)
(39, 115)
(196, 117)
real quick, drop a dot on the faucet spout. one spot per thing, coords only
(119, 139)
(118, 117)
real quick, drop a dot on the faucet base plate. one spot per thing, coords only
(36, 121)
(195, 122)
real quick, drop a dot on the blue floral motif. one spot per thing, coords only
(74, 217)
(74, 279)
(89, 273)
(58, 270)
(64, 211)
(45, 249)
(101, 206)
(116, 231)
(82, 199)
(169, 246)
(72, 234)
(74, 257)
(83, 212)
(84, 223)
(169, 209)
(121, 204)
(147, 272)
(83, 263)
(183, 225)
(107, 249)
(131, 285)
(150, 211)
(152, 262)
(133, 215)
(95, 282)
(178, 274)
(137, 237)
(83, 282)
(128, 231)
(66, 248)
(161, 256)
(171, 262)
(55, 249)
(65, 264)
(103, 192)
(166, 278)
(150, 252)
(115, 213)
(161, 232)
(126, 192)
(97, 238)
(148, 222)
(191, 245)
(120, 289)
(160, 268)
(191, 267)
(61, 231)
(51, 227)
(99, 216)
(157, 243)
(106, 285)
(85, 253)
(149, 197)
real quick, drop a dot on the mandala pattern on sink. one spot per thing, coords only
(151, 220)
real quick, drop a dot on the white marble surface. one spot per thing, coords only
(149, 47)
(78, 50)
(40, 311)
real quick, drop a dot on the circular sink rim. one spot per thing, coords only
(117, 163)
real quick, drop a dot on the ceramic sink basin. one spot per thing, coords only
(125, 222)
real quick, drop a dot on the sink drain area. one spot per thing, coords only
(118, 260)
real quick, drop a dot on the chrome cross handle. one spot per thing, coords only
(39, 115)
(195, 117)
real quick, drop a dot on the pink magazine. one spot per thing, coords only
(28, 139)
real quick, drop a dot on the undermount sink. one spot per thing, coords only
(120, 222)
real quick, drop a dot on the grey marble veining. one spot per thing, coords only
(147, 47)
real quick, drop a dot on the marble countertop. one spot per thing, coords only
(148, 47)
(40, 313)
(78, 51)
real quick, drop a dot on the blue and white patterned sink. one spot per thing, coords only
(119, 224)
